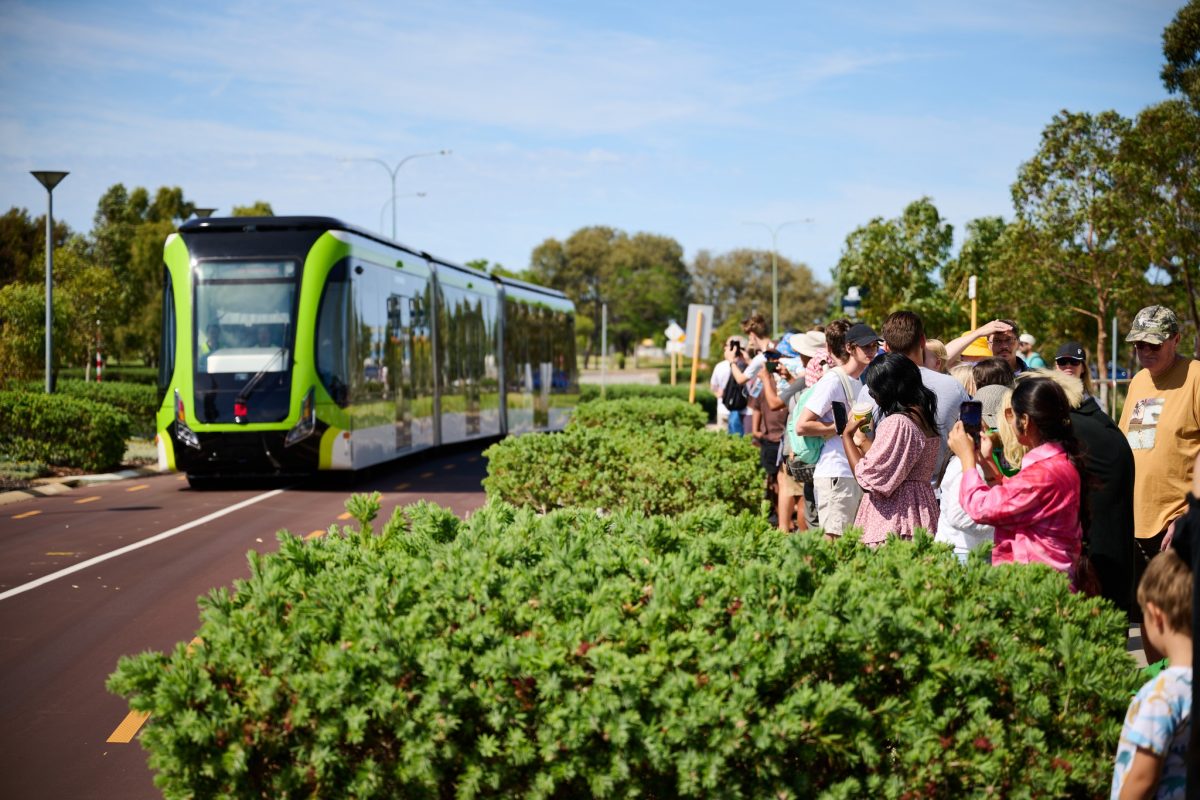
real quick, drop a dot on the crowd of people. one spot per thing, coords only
(981, 442)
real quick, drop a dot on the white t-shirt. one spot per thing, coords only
(832, 463)
(720, 376)
(955, 526)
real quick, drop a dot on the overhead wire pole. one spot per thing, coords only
(392, 171)
(774, 231)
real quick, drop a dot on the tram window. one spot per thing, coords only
(333, 345)
(166, 355)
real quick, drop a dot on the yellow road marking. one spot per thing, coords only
(426, 474)
(61, 553)
(91, 499)
(472, 459)
(347, 515)
(449, 466)
(315, 535)
(182, 478)
(129, 727)
(138, 488)
(27, 514)
(400, 487)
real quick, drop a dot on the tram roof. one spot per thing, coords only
(305, 223)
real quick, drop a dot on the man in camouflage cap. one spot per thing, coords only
(1161, 420)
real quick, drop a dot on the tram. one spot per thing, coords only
(292, 345)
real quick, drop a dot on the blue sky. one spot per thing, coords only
(682, 119)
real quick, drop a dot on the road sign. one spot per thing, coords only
(702, 315)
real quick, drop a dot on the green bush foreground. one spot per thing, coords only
(566, 655)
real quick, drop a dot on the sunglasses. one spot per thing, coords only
(1068, 362)
(1153, 348)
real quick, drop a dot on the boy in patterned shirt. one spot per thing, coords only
(1152, 753)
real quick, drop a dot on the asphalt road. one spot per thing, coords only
(143, 551)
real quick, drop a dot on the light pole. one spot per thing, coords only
(49, 180)
(392, 171)
(203, 213)
(386, 203)
(774, 231)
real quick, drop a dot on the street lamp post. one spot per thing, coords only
(774, 231)
(392, 202)
(203, 213)
(49, 180)
(392, 171)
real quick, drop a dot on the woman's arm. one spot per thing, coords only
(1141, 779)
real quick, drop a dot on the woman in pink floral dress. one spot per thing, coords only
(895, 471)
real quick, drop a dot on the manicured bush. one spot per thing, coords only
(589, 392)
(140, 401)
(705, 655)
(683, 375)
(61, 430)
(639, 413)
(144, 375)
(658, 470)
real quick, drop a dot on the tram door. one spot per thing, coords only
(398, 358)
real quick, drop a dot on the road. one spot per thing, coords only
(143, 551)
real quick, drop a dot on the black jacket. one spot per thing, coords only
(1109, 463)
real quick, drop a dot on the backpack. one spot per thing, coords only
(733, 397)
(808, 448)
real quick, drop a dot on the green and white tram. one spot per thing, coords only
(297, 344)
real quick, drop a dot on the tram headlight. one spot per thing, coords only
(182, 431)
(307, 423)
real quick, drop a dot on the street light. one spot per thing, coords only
(203, 213)
(392, 174)
(774, 231)
(387, 203)
(49, 180)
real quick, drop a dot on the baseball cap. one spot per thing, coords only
(992, 397)
(1070, 350)
(862, 334)
(1153, 324)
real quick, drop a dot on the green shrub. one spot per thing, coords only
(638, 413)
(658, 470)
(589, 392)
(683, 375)
(514, 655)
(138, 400)
(62, 430)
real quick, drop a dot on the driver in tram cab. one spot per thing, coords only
(266, 337)
(211, 339)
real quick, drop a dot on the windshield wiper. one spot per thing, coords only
(252, 384)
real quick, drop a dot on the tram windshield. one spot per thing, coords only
(243, 338)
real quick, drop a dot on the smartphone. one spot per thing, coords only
(839, 416)
(971, 414)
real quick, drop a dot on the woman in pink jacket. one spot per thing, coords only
(1039, 513)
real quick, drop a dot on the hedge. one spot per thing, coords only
(639, 412)
(63, 430)
(683, 375)
(590, 392)
(144, 375)
(657, 469)
(517, 655)
(139, 401)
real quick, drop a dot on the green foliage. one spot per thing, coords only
(640, 412)
(58, 429)
(147, 376)
(566, 655)
(259, 208)
(1181, 49)
(138, 401)
(589, 392)
(683, 375)
(738, 283)
(23, 246)
(642, 278)
(657, 469)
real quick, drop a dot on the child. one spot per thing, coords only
(1152, 754)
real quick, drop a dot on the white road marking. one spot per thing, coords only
(129, 548)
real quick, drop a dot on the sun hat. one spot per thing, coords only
(978, 349)
(992, 398)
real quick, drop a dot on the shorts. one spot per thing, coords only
(837, 503)
(789, 485)
(768, 456)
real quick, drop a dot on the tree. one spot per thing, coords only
(738, 283)
(894, 262)
(1162, 158)
(642, 278)
(23, 246)
(260, 208)
(1181, 47)
(1074, 201)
